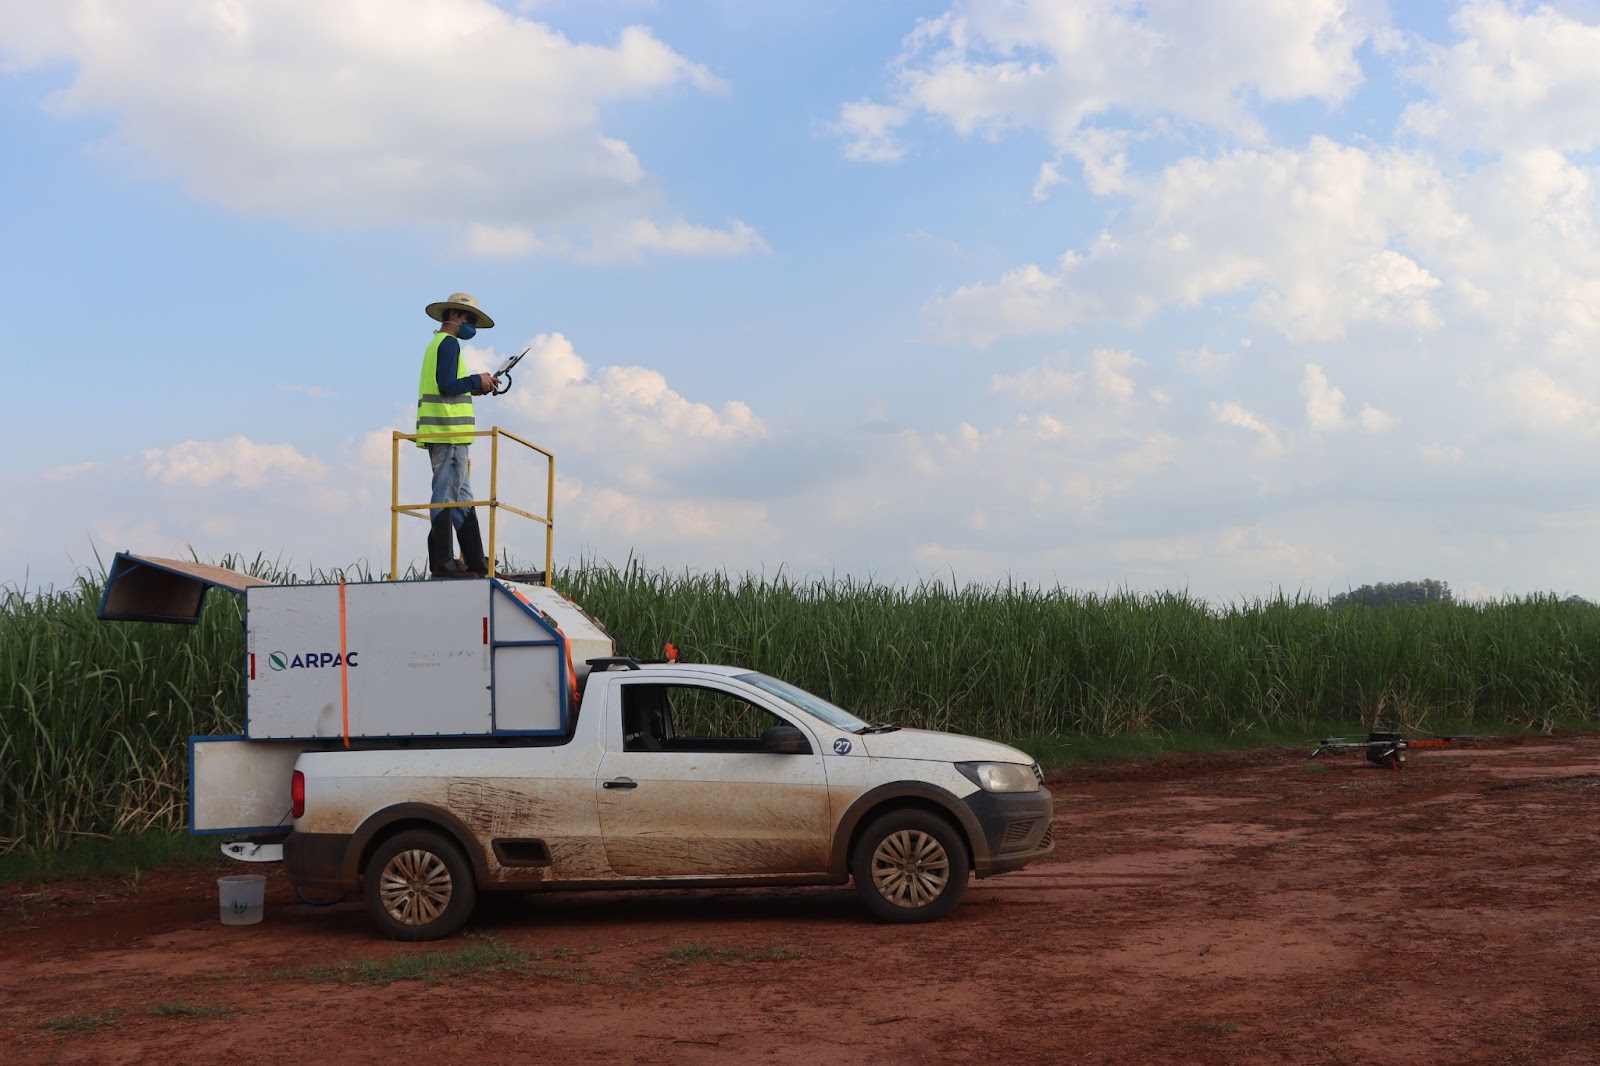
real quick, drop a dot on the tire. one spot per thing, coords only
(910, 866)
(418, 886)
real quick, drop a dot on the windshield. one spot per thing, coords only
(815, 706)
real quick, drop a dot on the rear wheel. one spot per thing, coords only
(418, 886)
(910, 866)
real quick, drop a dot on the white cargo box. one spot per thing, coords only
(459, 658)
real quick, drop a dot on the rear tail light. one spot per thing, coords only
(297, 795)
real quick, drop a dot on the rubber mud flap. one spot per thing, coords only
(317, 860)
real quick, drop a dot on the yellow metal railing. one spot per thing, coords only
(494, 503)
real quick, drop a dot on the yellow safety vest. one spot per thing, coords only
(441, 419)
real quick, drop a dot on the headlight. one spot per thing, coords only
(999, 776)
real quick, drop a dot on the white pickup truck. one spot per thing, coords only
(434, 739)
(672, 776)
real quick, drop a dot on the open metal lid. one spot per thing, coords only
(147, 588)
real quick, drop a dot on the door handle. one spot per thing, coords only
(621, 782)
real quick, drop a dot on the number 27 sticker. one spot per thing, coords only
(841, 746)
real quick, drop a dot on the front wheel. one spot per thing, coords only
(419, 886)
(910, 866)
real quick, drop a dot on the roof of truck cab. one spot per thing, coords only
(698, 668)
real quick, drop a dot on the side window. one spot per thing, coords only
(644, 717)
(691, 718)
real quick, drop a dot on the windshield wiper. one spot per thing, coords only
(875, 727)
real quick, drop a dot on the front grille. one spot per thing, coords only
(1017, 832)
(1038, 774)
(1049, 837)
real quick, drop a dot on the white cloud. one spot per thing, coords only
(988, 66)
(670, 522)
(1307, 232)
(1109, 376)
(1162, 550)
(1516, 79)
(73, 470)
(1543, 404)
(1103, 155)
(644, 236)
(1052, 384)
(630, 241)
(1439, 453)
(237, 461)
(626, 407)
(1242, 549)
(1203, 360)
(1275, 555)
(505, 242)
(1038, 385)
(1324, 401)
(429, 113)
(1232, 414)
(1388, 287)
(1049, 177)
(1376, 421)
(869, 129)
(1024, 301)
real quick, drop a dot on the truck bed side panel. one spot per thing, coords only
(544, 794)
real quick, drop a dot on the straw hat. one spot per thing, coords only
(460, 301)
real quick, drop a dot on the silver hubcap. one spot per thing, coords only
(415, 887)
(910, 868)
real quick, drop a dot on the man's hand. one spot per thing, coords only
(485, 383)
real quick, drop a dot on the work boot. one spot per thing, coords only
(472, 545)
(441, 560)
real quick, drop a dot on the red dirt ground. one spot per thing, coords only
(1249, 908)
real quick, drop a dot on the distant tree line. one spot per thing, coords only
(1429, 592)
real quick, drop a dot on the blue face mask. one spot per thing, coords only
(466, 331)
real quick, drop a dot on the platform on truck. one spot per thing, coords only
(371, 663)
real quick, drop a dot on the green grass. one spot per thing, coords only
(94, 717)
(197, 1011)
(88, 1022)
(92, 1021)
(481, 956)
(113, 855)
(693, 954)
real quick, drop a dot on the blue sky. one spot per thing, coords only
(1229, 296)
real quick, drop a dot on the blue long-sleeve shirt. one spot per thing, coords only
(447, 369)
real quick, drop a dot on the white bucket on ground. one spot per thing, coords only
(242, 898)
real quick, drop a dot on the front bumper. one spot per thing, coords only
(1016, 829)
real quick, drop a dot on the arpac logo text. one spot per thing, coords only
(310, 660)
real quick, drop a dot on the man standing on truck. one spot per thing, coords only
(444, 427)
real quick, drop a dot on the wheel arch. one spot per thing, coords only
(383, 824)
(906, 795)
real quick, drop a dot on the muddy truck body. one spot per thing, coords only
(422, 742)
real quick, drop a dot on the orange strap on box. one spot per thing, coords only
(344, 668)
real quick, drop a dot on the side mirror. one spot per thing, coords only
(784, 740)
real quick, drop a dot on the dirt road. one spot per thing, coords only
(1252, 908)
